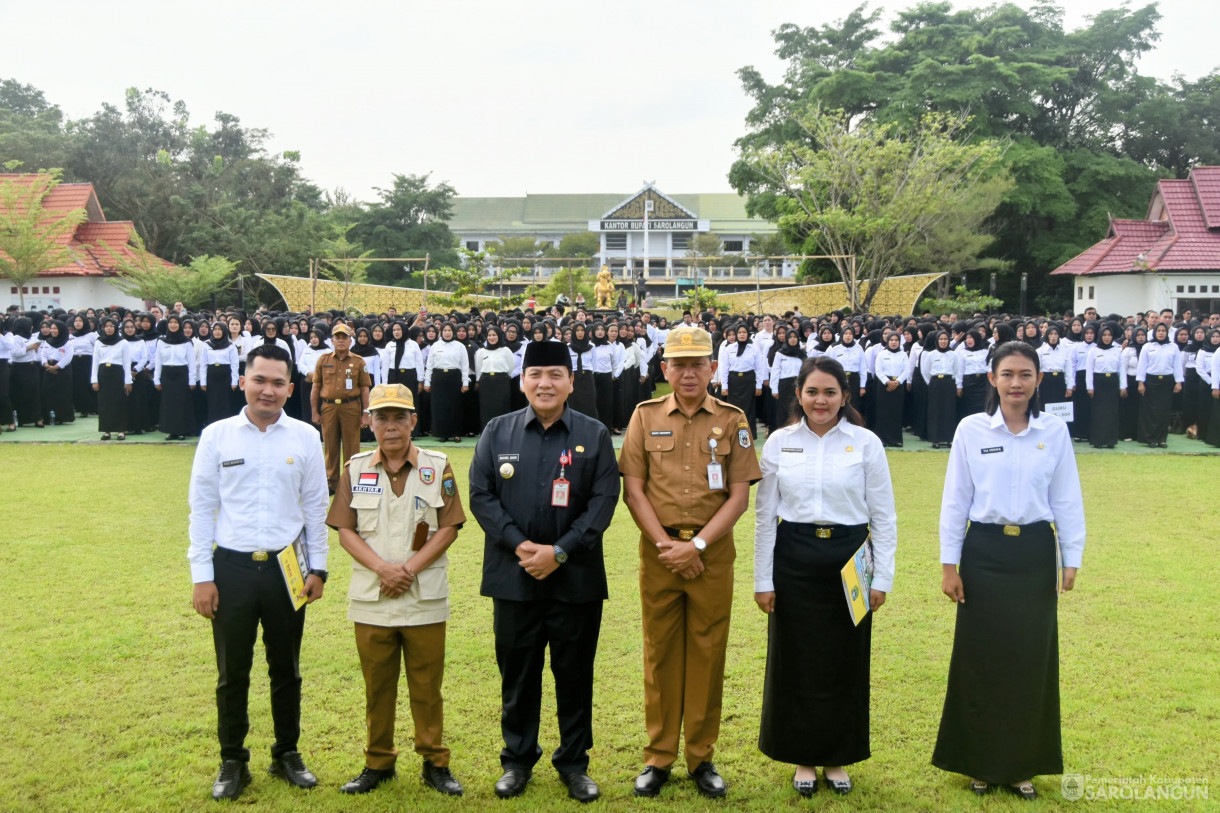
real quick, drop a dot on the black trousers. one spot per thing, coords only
(253, 593)
(523, 631)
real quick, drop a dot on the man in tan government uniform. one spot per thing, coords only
(397, 512)
(339, 397)
(688, 462)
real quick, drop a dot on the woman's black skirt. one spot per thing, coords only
(83, 396)
(111, 399)
(470, 410)
(1053, 389)
(447, 403)
(619, 399)
(1190, 397)
(816, 693)
(919, 405)
(604, 384)
(1104, 433)
(516, 396)
(584, 393)
(407, 377)
(1203, 409)
(1154, 408)
(741, 395)
(1129, 411)
(1082, 409)
(6, 403)
(853, 390)
(219, 397)
(887, 413)
(974, 395)
(1213, 423)
(1000, 722)
(57, 396)
(942, 409)
(787, 400)
(177, 407)
(25, 388)
(139, 404)
(494, 395)
(630, 379)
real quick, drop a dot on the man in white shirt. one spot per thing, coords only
(258, 483)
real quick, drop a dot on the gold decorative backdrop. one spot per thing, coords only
(365, 298)
(897, 295)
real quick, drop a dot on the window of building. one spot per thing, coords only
(616, 242)
(1216, 289)
(14, 289)
(472, 245)
(1080, 292)
(1180, 289)
(682, 241)
(1190, 289)
(733, 246)
(1091, 294)
(46, 289)
(55, 290)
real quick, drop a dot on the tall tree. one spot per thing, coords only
(409, 220)
(33, 238)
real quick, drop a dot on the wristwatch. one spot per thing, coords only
(321, 574)
(560, 555)
(700, 543)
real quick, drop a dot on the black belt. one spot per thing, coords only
(490, 374)
(1107, 375)
(218, 365)
(245, 556)
(1160, 377)
(975, 375)
(1013, 530)
(685, 534)
(340, 400)
(1054, 372)
(827, 531)
(943, 375)
(893, 378)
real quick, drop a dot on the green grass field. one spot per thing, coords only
(107, 675)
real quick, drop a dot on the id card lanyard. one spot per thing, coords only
(561, 488)
(715, 472)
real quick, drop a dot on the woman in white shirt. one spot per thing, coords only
(1204, 361)
(742, 371)
(55, 355)
(1011, 515)
(82, 341)
(110, 378)
(1107, 386)
(447, 377)
(1160, 376)
(827, 484)
(174, 376)
(890, 368)
(402, 362)
(941, 369)
(218, 373)
(493, 374)
(785, 368)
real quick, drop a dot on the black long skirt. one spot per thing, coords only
(470, 410)
(494, 397)
(140, 404)
(816, 693)
(1154, 408)
(84, 399)
(516, 395)
(423, 409)
(1104, 432)
(617, 397)
(177, 415)
(584, 393)
(786, 401)
(25, 384)
(6, 403)
(1053, 389)
(1213, 423)
(446, 403)
(1190, 398)
(1129, 411)
(604, 384)
(56, 396)
(919, 405)
(887, 413)
(741, 395)
(219, 397)
(853, 391)
(630, 379)
(942, 409)
(974, 395)
(111, 399)
(1000, 722)
(1082, 409)
(1203, 409)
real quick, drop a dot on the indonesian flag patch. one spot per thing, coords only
(368, 478)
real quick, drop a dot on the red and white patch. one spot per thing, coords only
(427, 475)
(368, 478)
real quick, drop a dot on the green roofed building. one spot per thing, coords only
(646, 226)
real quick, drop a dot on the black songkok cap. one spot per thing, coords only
(546, 354)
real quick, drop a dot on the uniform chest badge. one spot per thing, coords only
(850, 449)
(427, 475)
(1041, 445)
(743, 438)
(290, 461)
(507, 470)
(369, 478)
(580, 448)
(717, 431)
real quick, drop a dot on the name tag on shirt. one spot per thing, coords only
(992, 450)
(662, 434)
(508, 458)
(715, 477)
(367, 489)
(793, 451)
(230, 463)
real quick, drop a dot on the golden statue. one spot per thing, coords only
(604, 289)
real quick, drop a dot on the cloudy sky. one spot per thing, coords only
(496, 98)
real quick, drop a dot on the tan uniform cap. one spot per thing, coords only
(340, 328)
(391, 396)
(688, 341)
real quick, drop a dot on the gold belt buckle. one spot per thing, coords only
(259, 556)
(686, 535)
(338, 400)
(822, 533)
(1012, 530)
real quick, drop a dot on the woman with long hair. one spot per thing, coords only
(1012, 536)
(825, 492)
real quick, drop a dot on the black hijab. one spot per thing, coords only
(174, 336)
(367, 349)
(112, 339)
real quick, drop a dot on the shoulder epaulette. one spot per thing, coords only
(733, 407)
(358, 454)
(432, 453)
(653, 400)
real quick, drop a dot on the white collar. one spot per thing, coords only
(997, 421)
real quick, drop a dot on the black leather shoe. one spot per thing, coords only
(708, 781)
(291, 768)
(840, 786)
(232, 780)
(651, 780)
(368, 779)
(440, 779)
(805, 787)
(513, 783)
(581, 787)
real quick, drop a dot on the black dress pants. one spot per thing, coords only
(252, 593)
(523, 630)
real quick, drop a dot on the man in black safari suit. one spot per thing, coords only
(544, 484)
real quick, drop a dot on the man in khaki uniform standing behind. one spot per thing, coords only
(688, 462)
(339, 397)
(397, 512)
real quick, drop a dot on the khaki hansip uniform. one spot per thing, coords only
(409, 628)
(341, 408)
(686, 623)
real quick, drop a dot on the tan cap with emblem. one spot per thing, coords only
(688, 341)
(391, 396)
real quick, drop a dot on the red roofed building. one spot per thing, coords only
(1171, 259)
(86, 282)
